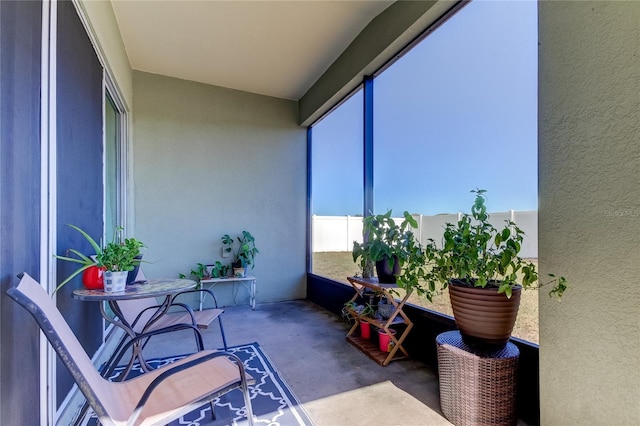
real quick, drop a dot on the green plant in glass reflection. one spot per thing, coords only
(386, 241)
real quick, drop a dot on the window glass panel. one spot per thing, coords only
(337, 188)
(459, 112)
(112, 167)
(113, 191)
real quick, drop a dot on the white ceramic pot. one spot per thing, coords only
(115, 281)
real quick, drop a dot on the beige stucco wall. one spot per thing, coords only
(589, 216)
(211, 161)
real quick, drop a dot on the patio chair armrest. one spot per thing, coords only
(177, 369)
(199, 290)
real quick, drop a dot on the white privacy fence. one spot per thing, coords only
(337, 233)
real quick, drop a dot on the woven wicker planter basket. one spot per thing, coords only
(477, 387)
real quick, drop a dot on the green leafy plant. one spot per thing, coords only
(219, 270)
(362, 257)
(204, 272)
(118, 255)
(227, 245)
(246, 250)
(349, 307)
(413, 258)
(475, 253)
(199, 273)
(367, 310)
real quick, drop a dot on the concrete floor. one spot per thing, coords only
(336, 383)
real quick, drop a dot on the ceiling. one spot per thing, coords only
(274, 48)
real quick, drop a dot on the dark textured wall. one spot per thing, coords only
(79, 184)
(79, 167)
(20, 24)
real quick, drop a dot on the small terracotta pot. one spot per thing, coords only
(484, 316)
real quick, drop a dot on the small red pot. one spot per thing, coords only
(365, 330)
(92, 278)
(384, 340)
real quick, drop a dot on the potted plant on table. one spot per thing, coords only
(205, 272)
(245, 254)
(481, 267)
(218, 270)
(116, 259)
(201, 272)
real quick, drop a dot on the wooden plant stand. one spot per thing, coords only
(397, 317)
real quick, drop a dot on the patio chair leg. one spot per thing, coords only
(213, 410)
(199, 342)
(224, 339)
(247, 404)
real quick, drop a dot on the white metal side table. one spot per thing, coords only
(249, 282)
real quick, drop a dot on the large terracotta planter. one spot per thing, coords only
(483, 316)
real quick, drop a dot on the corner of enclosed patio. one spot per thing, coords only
(181, 122)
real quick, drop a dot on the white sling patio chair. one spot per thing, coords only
(154, 398)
